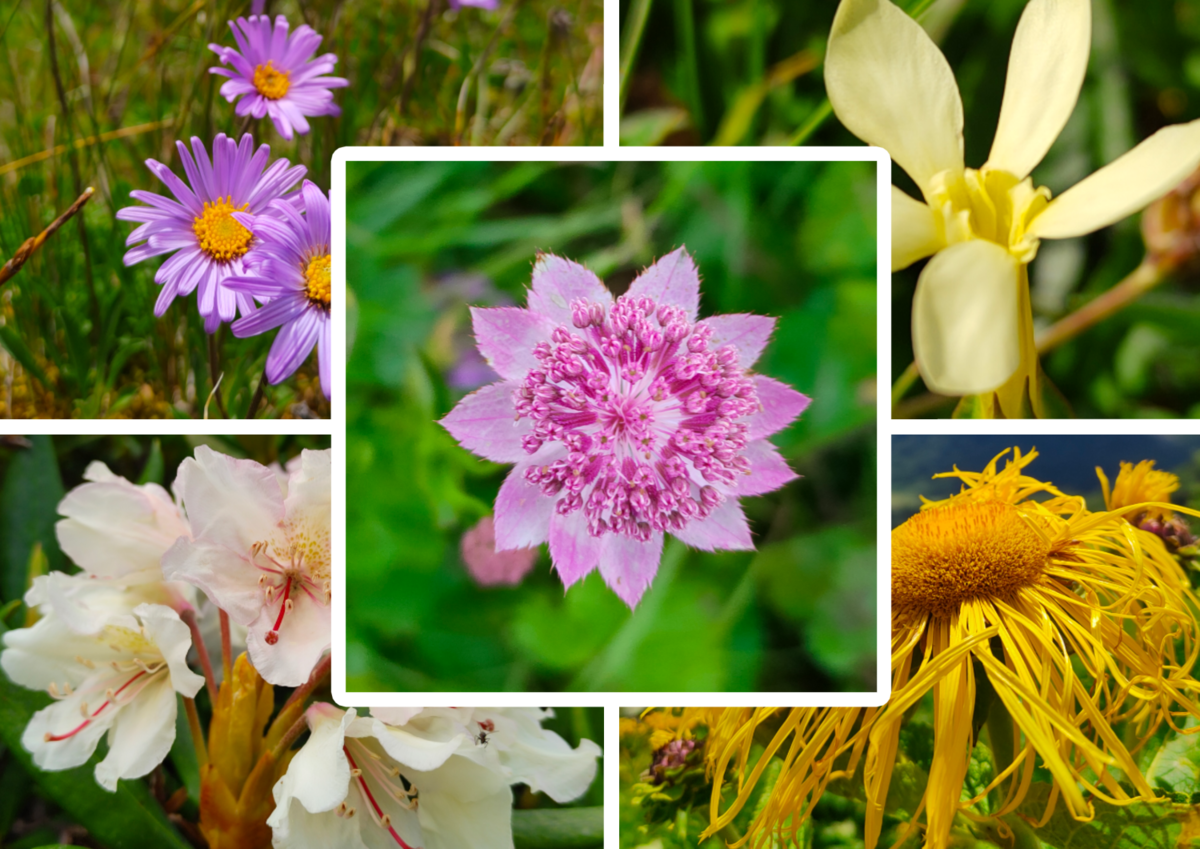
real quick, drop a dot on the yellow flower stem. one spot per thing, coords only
(904, 383)
(189, 618)
(226, 646)
(193, 717)
(1140, 281)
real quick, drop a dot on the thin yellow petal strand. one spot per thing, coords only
(1123, 187)
(965, 319)
(891, 86)
(1045, 72)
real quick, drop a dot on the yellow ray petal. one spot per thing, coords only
(891, 86)
(1124, 186)
(915, 233)
(1045, 72)
(965, 319)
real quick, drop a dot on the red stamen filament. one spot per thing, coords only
(53, 738)
(379, 814)
(273, 634)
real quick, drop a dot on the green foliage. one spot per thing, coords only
(565, 828)
(791, 240)
(78, 336)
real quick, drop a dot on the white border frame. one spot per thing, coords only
(611, 699)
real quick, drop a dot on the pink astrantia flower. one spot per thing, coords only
(198, 225)
(274, 73)
(626, 420)
(261, 553)
(488, 566)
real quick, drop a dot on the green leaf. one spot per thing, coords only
(28, 510)
(16, 346)
(1141, 825)
(650, 127)
(1175, 767)
(562, 828)
(130, 817)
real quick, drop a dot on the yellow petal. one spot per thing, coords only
(1124, 186)
(1045, 72)
(891, 86)
(915, 234)
(965, 319)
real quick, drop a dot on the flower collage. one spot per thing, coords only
(451, 424)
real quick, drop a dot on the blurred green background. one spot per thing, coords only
(749, 72)
(78, 336)
(792, 240)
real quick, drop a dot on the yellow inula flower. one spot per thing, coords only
(890, 85)
(1075, 620)
(1137, 485)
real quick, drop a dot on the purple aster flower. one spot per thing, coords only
(291, 275)
(276, 73)
(210, 245)
(626, 420)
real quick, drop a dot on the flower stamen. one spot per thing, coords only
(219, 234)
(271, 82)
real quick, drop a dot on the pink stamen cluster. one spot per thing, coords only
(647, 411)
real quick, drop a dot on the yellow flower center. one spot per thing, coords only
(946, 556)
(989, 204)
(219, 233)
(270, 82)
(317, 283)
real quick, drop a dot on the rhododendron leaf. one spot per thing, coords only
(567, 828)
(130, 818)
(32, 490)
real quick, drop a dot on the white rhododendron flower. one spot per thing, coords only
(260, 555)
(432, 778)
(117, 529)
(891, 86)
(120, 680)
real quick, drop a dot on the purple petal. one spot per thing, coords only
(292, 346)
(323, 353)
(506, 337)
(485, 422)
(779, 405)
(748, 333)
(573, 550)
(724, 528)
(274, 314)
(557, 282)
(768, 470)
(629, 565)
(522, 512)
(672, 280)
(316, 205)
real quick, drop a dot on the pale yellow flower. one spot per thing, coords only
(891, 86)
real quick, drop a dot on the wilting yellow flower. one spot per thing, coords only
(235, 784)
(1137, 485)
(891, 86)
(1073, 618)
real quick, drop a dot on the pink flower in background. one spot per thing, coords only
(209, 244)
(626, 420)
(479, 4)
(488, 566)
(275, 75)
